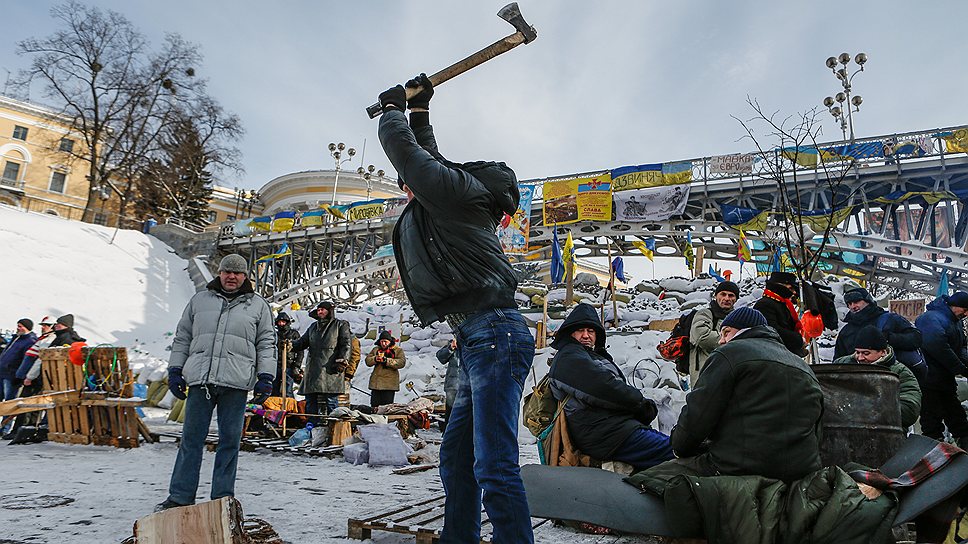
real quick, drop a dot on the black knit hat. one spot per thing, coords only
(67, 320)
(385, 335)
(744, 318)
(727, 286)
(784, 277)
(959, 299)
(27, 323)
(870, 337)
(858, 294)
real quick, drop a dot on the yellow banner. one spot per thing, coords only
(366, 211)
(595, 198)
(957, 142)
(560, 202)
(637, 177)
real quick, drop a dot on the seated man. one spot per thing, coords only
(608, 419)
(755, 409)
(871, 348)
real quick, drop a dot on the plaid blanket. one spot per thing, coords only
(934, 460)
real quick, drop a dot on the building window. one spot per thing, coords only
(11, 171)
(100, 219)
(19, 133)
(67, 145)
(230, 218)
(58, 180)
(212, 216)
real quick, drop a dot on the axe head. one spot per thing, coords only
(512, 14)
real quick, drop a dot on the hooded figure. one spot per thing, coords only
(387, 359)
(328, 342)
(781, 314)
(902, 336)
(946, 352)
(608, 419)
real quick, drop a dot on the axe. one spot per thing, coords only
(525, 34)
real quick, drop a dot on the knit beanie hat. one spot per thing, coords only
(28, 324)
(233, 263)
(959, 299)
(744, 318)
(324, 304)
(870, 337)
(727, 286)
(858, 294)
(385, 335)
(67, 320)
(784, 277)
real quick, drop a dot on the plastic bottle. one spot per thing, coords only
(302, 436)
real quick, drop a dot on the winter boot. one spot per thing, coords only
(168, 504)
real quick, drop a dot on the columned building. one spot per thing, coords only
(308, 190)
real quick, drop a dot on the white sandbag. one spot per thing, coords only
(356, 453)
(386, 446)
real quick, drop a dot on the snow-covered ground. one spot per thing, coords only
(132, 292)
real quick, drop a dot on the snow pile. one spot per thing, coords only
(128, 293)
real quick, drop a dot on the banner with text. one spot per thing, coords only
(515, 229)
(560, 202)
(653, 204)
(735, 164)
(595, 198)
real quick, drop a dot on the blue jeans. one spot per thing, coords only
(10, 388)
(321, 403)
(480, 447)
(201, 402)
(644, 448)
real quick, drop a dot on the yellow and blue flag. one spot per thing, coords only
(688, 252)
(674, 173)
(569, 253)
(743, 251)
(261, 223)
(283, 251)
(647, 248)
(283, 221)
(557, 265)
(312, 218)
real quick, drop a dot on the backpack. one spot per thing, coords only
(676, 347)
(539, 407)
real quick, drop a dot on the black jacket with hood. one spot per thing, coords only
(445, 244)
(603, 409)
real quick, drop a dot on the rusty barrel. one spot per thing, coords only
(862, 415)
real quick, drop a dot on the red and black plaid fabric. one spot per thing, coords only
(933, 461)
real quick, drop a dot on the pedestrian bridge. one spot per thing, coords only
(900, 219)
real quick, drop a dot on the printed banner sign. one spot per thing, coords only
(560, 202)
(595, 198)
(636, 177)
(515, 230)
(580, 199)
(368, 209)
(736, 164)
(653, 204)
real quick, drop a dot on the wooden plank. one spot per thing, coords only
(36, 403)
(217, 522)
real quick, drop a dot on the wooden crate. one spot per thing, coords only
(102, 416)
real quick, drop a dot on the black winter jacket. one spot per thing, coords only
(294, 358)
(900, 334)
(944, 345)
(778, 316)
(604, 409)
(758, 405)
(66, 337)
(445, 245)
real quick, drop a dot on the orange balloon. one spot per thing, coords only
(75, 354)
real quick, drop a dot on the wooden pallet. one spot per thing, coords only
(103, 417)
(275, 445)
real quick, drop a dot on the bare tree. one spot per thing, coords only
(796, 139)
(120, 94)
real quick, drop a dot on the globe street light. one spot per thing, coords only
(336, 151)
(839, 105)
(367, 175)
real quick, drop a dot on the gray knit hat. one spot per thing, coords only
(233, 263)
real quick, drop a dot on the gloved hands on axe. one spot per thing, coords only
(394, 97)
(421, 100)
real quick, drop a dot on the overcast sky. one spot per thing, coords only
(607, 83)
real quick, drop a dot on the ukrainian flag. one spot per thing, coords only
(283, 221)
(263, 223)
(283, 251)
(313, 218)
(674, 173)
(647, 248)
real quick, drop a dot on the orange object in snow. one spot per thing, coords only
(75, 354)
(812, 324)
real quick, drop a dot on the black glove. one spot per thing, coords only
(337, 366)
(262, 389)
(394, 97)
(421, 99)
(176, 383)
(646, 412)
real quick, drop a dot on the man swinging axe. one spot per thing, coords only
(453, 269)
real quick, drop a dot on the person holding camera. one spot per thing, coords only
(387, 359)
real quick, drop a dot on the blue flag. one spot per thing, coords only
(618, 265)
(713, 273)
(943, 288)
(557, 265)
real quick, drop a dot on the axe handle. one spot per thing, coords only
(501, 46)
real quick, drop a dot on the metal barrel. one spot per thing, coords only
(862, 415)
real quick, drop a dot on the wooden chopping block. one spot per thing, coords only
(215, 522)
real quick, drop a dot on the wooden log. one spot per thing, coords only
(218, 521)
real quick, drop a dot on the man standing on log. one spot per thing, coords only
(453, 269)
(225, 344)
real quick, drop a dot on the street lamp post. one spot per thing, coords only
(843, 99)
(336, 151)
(367, 175)
(244, 201)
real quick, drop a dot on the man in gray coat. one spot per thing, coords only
(328, 341)
(224, 346)
(704, 333)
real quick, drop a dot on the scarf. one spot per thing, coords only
(789, 304)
